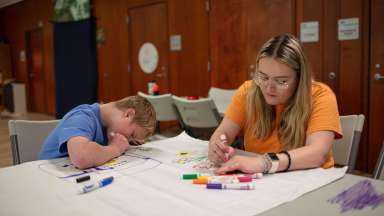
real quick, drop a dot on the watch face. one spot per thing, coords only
(273, 156)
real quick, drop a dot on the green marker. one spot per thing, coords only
(190, 176)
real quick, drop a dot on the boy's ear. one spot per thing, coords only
(129, 113)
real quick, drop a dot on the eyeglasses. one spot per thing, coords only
(263, 80)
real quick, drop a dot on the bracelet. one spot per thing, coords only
(289, 160)
(267, 163)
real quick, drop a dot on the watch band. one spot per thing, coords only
(275, 162)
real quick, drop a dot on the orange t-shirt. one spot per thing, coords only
(324, 116)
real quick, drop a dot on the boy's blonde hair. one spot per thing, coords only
(291, 129)
(145, 115)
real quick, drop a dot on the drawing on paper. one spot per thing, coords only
(64, 169)
(198, 161)
(359, 196)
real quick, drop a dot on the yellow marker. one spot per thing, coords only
(111, 162)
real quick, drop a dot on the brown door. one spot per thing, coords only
(228, 42)
(376, 83)
(36, 77)
(267, 19)
(148, 35)
(238, 29)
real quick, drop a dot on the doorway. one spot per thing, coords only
(36, 79)
(148, 42)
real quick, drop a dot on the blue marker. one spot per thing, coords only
(103, 182)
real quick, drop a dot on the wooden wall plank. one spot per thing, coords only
(189, 67)
(308, 11)
(263, 25)
(376, 97)
(112, 53)
(228, 43)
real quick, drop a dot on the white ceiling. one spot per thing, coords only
(4, 3)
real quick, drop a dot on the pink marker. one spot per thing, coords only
(245, 178)
(223, 140)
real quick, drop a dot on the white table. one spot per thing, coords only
(148, 182)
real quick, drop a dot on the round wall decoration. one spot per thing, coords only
(148, 57)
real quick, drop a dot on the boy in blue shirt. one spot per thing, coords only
(94, 134)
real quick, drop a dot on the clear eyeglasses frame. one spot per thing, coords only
(263, 81)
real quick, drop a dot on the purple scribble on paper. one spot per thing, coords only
(358, 196)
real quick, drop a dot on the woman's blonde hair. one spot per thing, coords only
(291, 129)
(145, 115)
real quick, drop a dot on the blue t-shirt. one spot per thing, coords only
(83, 120)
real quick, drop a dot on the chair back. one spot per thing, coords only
(345, 149)
(201, 113)
(378, 173)
(27, 138)
(163, 104)
(221, 97)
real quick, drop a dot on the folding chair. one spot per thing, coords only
(165, 111)
(221, 97)
(345, 149)
(201, 113)
(27, 138)
(378, 173)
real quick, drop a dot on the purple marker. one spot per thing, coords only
(248, 186)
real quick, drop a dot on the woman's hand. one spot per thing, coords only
(219, 151)
(244, 164)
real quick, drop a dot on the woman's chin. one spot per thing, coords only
(273, 101)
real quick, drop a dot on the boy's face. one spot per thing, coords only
(126, 126)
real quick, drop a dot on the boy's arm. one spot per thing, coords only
(84, 153)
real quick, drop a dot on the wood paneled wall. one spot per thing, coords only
(2, 33)
(19, 18)
(188, 68)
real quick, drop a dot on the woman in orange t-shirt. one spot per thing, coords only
(287, 118)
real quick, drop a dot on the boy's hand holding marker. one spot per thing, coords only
(119, 142)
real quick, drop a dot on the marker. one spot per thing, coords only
(190, 176)
(83, 178)
(253, 176)
(246, 186)
(215, 179)
(222, 179)
(223, 140)
(103, 182)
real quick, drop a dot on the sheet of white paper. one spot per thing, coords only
(148, 181)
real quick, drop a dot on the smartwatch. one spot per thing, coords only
(275, 162)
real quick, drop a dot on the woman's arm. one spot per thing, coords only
(313, 154)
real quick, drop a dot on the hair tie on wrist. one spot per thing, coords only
(289, 160)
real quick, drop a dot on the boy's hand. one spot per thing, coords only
(118, 142)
